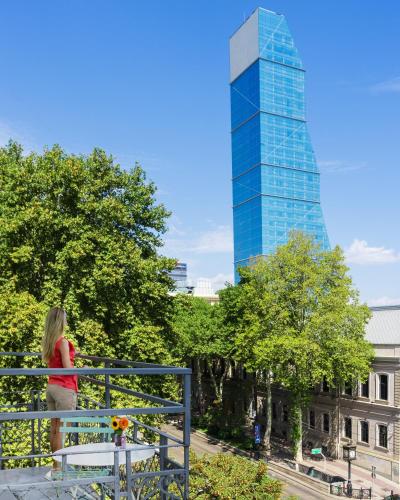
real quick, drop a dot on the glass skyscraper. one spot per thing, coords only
(276, 184)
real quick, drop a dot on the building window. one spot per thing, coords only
(347, 427)
(311, 416)
(383, 387)
(325, 423)
(364, 431)
(285, 413)
(274, 411)
(365, 389)
(348, 389)
(382, 436)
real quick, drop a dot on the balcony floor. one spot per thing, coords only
(29, 475)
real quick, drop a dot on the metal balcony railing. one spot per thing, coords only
(106, 389)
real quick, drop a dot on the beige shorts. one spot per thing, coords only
(59, 398)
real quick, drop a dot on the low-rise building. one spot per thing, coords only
(367, 414)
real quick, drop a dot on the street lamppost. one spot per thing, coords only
(349, 454)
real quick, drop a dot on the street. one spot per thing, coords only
(201, 445)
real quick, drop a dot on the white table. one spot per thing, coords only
(90, 454)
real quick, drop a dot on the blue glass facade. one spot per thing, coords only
(276, 184)
(179, 275)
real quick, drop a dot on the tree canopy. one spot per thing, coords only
(81, 232)
(303, 321)
(203, 339)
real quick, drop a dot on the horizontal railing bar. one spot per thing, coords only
(92, 371)
(161, 433)
(137, 448)
(86, 452)
(123, 362)
(33, 415)
(20, 354)
(141, 395)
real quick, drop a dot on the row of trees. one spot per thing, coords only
(294, 320)
(80, 232)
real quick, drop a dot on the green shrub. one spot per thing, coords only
(227, 477)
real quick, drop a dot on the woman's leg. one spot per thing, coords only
(55, 435)
(55, 439)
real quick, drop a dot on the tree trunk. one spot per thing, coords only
(199, 386)
(222, 379)
(297, 431)
(267, 404)
(213, 380)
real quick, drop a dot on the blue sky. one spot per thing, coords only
(148, 81)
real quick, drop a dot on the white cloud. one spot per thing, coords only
(218, 240)
(340, 166)
(392, 85)
(360, 253)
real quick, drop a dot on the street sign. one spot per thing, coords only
(316, 451)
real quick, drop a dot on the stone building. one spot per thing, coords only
(367, 414)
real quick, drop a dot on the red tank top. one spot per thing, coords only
(67, 381)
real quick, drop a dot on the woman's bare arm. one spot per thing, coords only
(64, 350)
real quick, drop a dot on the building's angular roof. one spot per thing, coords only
(384, 325)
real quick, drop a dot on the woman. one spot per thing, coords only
(58, 352)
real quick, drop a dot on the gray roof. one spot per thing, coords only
(384, 325)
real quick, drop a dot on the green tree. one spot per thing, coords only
(224, 477)
(304, 322)
(201, 338)
(81, 232)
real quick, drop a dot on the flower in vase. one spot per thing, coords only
(123, 423)
(115, 423)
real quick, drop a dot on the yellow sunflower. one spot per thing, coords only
(115, 423)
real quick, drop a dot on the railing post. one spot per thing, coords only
(64, 466)
(128, 465)
(34, 408)
(107, 389)
(1, 446)
(186, 430)
(163, 466)
(116, 475)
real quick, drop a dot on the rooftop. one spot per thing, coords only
(384, 326)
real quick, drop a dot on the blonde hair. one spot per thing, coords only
(53, 330)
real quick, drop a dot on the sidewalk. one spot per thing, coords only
(359, 477)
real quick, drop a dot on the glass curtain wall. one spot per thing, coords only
(276, 183)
